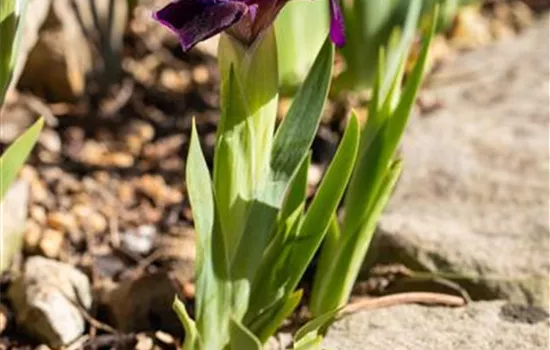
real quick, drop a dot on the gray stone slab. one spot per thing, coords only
(481, 326)
(472, 203)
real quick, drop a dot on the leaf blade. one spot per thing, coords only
(291, 262)
(291, 144)
(242, 338)
(14, 157)
(297, 190)
(213, 292)
(297, 131)
(192, 337)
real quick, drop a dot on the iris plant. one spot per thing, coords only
(255, 235)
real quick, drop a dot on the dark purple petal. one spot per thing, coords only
(260, 15)
(197, 20)
(337, 26)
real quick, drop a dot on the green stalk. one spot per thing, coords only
(245, 133)
(249, 97)
(301, 29)
(237, 215)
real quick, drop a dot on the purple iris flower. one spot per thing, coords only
(196, 20)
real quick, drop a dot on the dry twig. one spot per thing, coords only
(427, 298)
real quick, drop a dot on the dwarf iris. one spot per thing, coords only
(248, 266)
(196, 20)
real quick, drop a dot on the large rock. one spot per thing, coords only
(473, 201)
(481, 326)
(45, 297)
(13, 216)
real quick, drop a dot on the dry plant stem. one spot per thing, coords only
(145, 263)
(435, 277)
(41, 108)
(93, 321)
(403, 298)
(111, 341)
(112, 107)
(455, 286)
(78, 344)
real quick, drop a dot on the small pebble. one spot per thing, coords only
(314, 175)
(4, 317)
(145, 130)
(144, 342)
(471, 29)
(141, 240)
(201, 75)
(522, 15)
(33, 233)
(165, 337)
(90, 220)
(164, 147)
(51, 243)
(42, 347)
(134, 144)
(95, 153)
(156, 188)
(9, 132)
(50, 140)
(175, 80)
(126, 194)
(96, 223)
(117, 159)
(38, 214)
(62, 222)
(40, 194)
(501, 30)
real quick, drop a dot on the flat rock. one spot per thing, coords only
(44, 299)
(473, 202)
(13, 216)
(482, 326)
